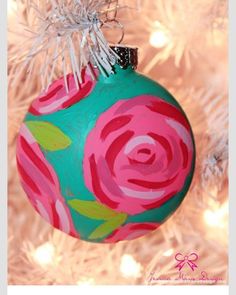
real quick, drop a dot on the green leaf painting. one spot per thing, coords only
(92, 209)
(98, 211)
(49, 136)
(108, 226)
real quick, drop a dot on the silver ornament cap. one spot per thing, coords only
(128, 56)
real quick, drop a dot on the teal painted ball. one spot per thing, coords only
(106, 160)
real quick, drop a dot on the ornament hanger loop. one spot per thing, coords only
(112, 10)
(118, 24)
(111, 17)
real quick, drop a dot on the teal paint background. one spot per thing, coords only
(78, 120)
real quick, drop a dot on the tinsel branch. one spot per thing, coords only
(183, 46)
(69, 32)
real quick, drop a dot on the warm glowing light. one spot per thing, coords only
(44, 254)
(129, 267)
(159, 39)
(11, 7)
(168, 253)
(216, 218)
(218, 37)
(85, 282)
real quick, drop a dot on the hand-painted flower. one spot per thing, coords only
(41, 184)
(131, 231)
(57, 98)
(138, 155)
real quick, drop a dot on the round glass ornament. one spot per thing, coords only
(110, 161)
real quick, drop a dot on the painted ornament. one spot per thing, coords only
(107, 162)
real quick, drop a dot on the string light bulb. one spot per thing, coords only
(168, 253)
(129, 267)
(44, 254)
(217, 218)
(159, 38)
(11, 7)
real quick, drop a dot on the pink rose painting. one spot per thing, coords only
(58, 98)
(41, 184)
(138, 155)
(131, 231)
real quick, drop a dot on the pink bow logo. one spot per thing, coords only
(187, 259)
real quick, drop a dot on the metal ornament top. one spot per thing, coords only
(128, 56)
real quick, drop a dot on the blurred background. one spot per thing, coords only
(183, 44)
